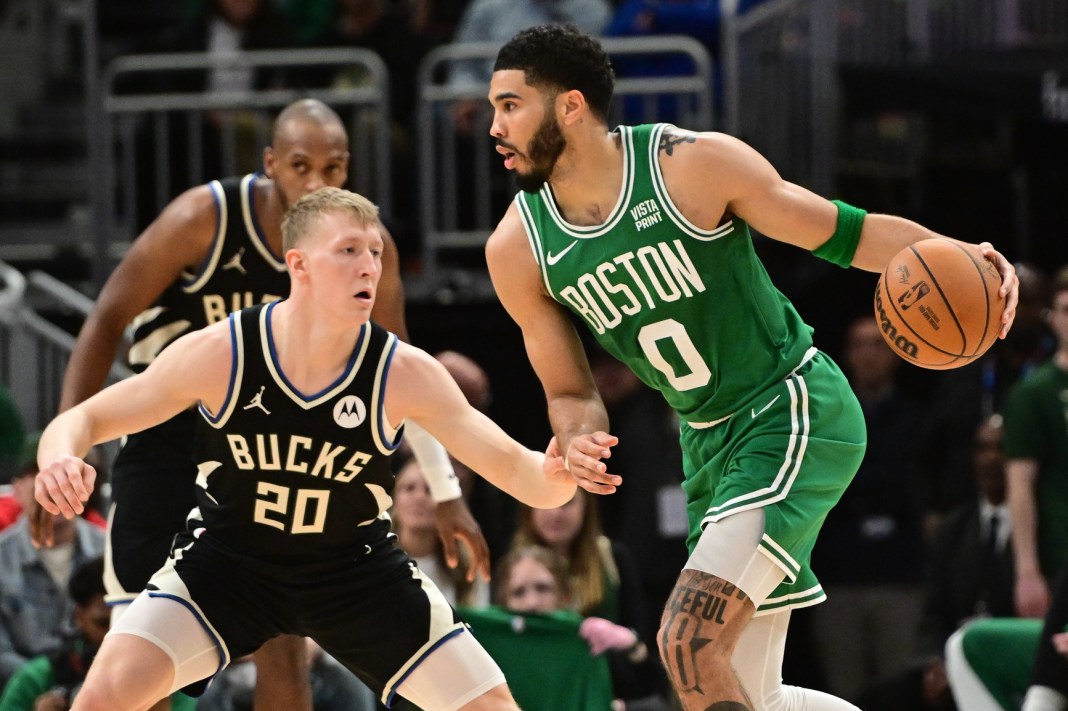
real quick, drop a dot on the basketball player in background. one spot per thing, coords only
(643, 233)
(294, 491)
(215, 249)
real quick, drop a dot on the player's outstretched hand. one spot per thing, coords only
(455, 521)
(61, 488)
(1010, 285)
(583, 460)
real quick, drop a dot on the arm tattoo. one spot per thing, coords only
(668, 141)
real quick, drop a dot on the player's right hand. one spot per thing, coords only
(583, 459)
(61, 488)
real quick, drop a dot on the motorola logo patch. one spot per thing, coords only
(350, 412)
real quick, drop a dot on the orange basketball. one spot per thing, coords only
(938, 304)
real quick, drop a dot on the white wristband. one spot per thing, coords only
(435, 463)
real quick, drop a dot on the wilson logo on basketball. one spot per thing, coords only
(890, 332)
(350, 412)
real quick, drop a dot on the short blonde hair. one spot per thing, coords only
(306, 212)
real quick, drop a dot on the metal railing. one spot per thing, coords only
(164, 141)
(463, 188)
(881, 32)
(780, 86)
(12, 290)
(34, 348)
(781, 61)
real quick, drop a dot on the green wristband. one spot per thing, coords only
(842, 245)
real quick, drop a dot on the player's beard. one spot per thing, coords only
(545, 148)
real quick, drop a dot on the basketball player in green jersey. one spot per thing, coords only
(642, 232)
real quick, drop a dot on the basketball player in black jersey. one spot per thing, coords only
(215, 249)
(301, 403)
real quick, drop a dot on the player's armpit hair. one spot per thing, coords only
(842, 245)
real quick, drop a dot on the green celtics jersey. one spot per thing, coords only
(692, 312)
(547, 664)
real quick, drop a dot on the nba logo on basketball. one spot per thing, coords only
(914, 294)
(349, 412)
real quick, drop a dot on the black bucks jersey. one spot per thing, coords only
(294, 476)
(152, 480)
(240, 271)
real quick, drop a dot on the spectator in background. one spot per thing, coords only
(533, 619)
(970, 564)
(1036, 445)
(604, 582)
(36, 611)
(869, 554)
(417, 533)
(648, 516)
(1005, 664)
(963, 397)
(969, 576)
(49, 682)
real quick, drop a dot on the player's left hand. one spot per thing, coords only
(1010, 285)
(455, 521)
(583, 460)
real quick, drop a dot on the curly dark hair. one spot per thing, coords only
(87, 581)
(561, 58)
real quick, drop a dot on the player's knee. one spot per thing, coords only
(700, 627)
(684, 652)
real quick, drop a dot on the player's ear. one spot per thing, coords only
(345, 165)
(571, 106)
(296, 262)
(268, 162)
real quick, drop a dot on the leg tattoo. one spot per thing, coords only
(701, 624)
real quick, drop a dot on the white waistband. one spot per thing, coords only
(809, 354)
